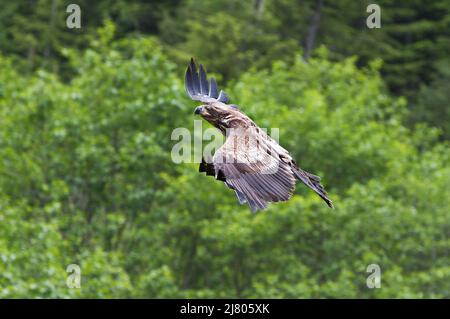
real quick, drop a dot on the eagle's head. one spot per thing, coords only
(218, 114)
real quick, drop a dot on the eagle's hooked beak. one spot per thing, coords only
(198, 110)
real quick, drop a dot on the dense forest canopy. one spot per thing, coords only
(86, 175)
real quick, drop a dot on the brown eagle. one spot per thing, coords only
(250, 162)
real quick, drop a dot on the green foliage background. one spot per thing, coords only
(86, 174)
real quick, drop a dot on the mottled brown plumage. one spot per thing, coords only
(250, 162)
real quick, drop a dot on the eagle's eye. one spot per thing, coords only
(198, 110)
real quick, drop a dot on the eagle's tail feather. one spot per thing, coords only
(313, 182)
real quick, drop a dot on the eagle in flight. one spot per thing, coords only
(250, 162)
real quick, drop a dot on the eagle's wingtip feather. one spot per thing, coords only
(199, 88)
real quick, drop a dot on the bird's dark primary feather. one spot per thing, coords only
(195, 77)
(203, 82)
(213, 92)
(188, 82)
(223, 97)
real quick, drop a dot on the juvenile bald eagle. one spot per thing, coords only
(250, 162)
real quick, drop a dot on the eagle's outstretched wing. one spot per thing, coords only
(199, 88)
(258, 169)
(254, 174)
